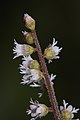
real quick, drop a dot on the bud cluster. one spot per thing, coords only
(34, 73)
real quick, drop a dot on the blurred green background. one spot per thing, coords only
(54, 18)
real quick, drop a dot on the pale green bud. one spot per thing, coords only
(49, 53)
(28, 37)
(34, 64)
(40, 75)
(66, 115)
(29, 50)
(29, 22)
(44, 109)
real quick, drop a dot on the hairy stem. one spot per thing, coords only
(49, 87)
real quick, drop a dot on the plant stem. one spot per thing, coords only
(51, 92)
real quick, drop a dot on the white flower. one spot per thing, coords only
(37, 110)
(24, 67)
(52, 77)
(22, 49)
(32, 78)
(56, 49)
(68, 111)
(27, 63)
(52, 51)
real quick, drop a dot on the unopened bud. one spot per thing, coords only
(34, 64)
(28, 37)
(29, 22)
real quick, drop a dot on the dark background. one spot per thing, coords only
(54, 18)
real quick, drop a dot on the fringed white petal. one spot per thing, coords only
(18, 50)
(65, 104)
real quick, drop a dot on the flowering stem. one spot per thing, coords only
(51, 93)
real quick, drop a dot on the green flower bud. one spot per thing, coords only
(34, 64)
(28, 50)
(66, 115)
(29, 22)
(49, 53)
(28, 37)
(40, 75)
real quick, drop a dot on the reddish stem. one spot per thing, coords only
(50, 109)
(49, 87)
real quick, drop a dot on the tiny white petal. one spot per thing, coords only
(33, 114)
(65, 104)
(40, 95)
(49, 61)
(32, 107)
(34, 85)
(69, 108)
(52, 77)
(72, 115)
(24, 82)
(31, 101)
(28, 112)
(24, 32)
(54, 43)
(61, 108)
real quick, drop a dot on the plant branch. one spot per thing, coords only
(48, 84)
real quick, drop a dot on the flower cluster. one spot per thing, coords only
(37, 110)
(34, 74)
(52, 51)
(31, 72)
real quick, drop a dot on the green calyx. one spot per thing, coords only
(34, 64)
(31, 25)
(28, 50)
(29, 38)
(66, 115)
(49, 53)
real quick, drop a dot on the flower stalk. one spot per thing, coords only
(49, 87)
(33, 73)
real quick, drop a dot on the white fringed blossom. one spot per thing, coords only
(24, 67)
(32, 77)
(28, 62)
(22, 50)
(37, 110)
(52, 51)
(67, 112)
